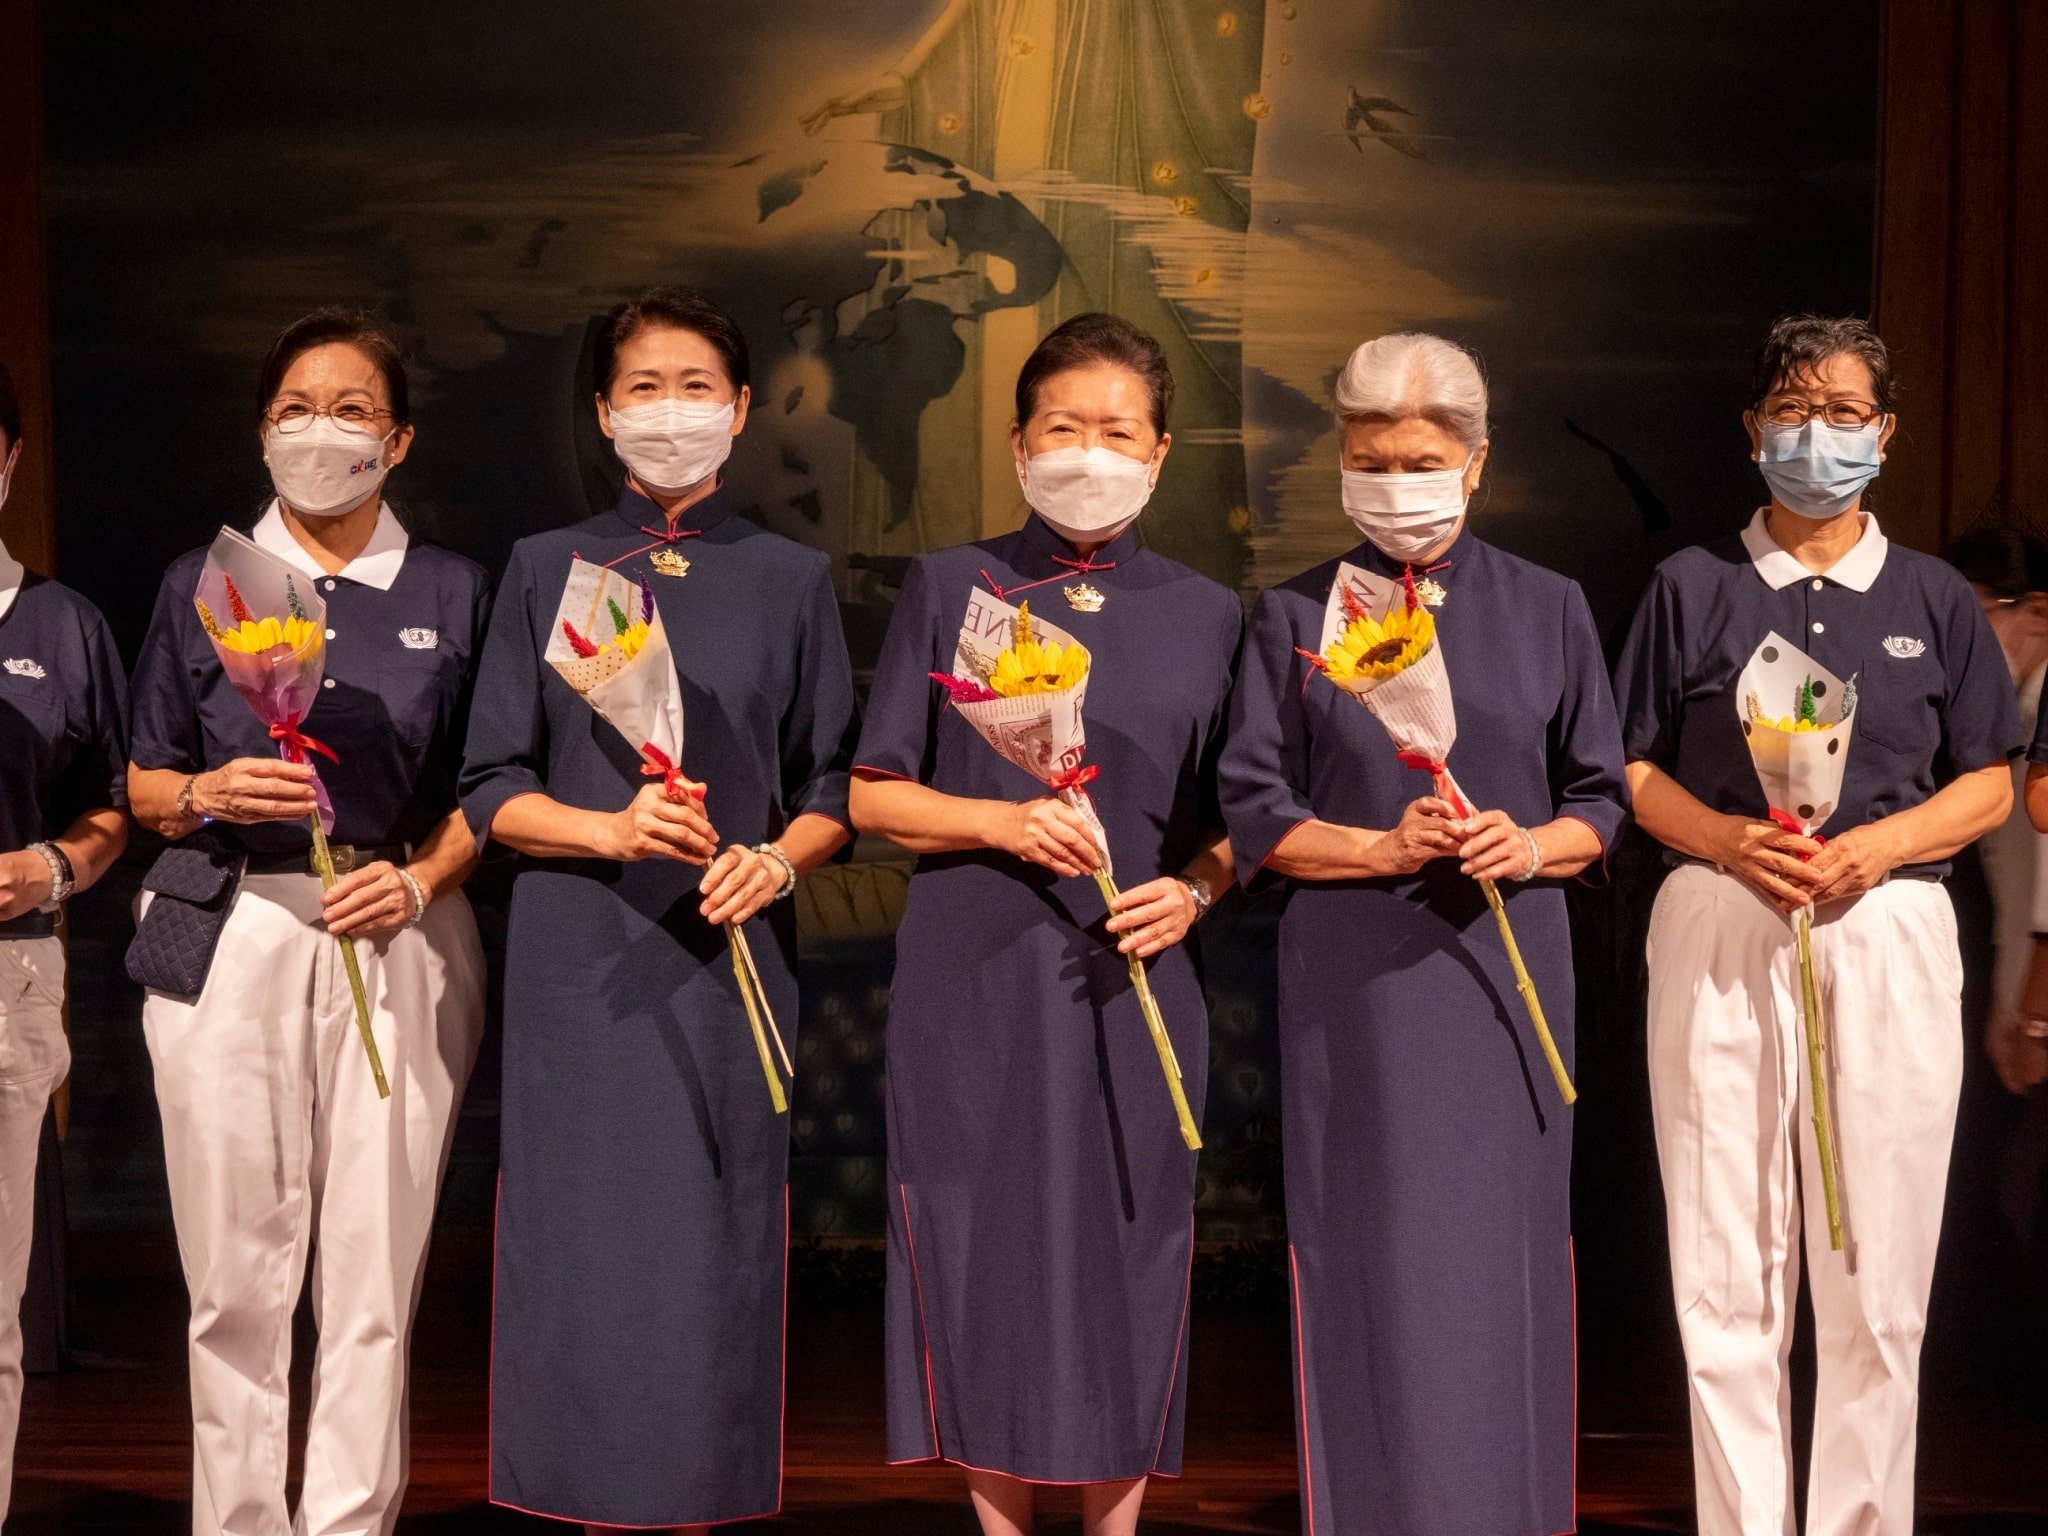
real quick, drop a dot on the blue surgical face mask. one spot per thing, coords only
(1818, 470)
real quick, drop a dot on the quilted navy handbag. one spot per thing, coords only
(192, 885)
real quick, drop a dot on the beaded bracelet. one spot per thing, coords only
(770, 851)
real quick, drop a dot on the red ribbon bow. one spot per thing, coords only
(1785, 821)
(297, 743)
(1074, 778)
(658, 766)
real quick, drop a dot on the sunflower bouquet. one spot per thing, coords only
(1380, 646)
(608, 644)
(1025, 701)
(1800, 759)
(273, 648)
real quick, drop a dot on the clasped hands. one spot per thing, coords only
(1050, 833)
(1488, 846)
(737, 883)
(1790, 871)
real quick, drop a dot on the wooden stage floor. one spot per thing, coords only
(107, 1452)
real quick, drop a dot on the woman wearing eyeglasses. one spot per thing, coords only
(1933, 728)
(276, 1142)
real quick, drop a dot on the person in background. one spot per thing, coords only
(63, 747)
(1041, 1214)
(643, 1212)
(276, 1142)
(1927, 774)
(2008, 570)
(1428, 1149)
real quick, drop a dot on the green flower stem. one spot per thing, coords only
(323, 865)
(756, 1003)
(1817, 1071)
(1527, 988)
(746, 950)
(1156, 1024)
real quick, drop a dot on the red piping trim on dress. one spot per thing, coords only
(1581, 876)
(924, 1335)
(1249, 874)
(938, 1456)
(491, 1419)
(1179, 1337)
(1572, 1249)
(1036, 1482)
(1308, 1476)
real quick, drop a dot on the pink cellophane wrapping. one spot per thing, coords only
(279, 685)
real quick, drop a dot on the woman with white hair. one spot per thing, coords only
(1428, 1150)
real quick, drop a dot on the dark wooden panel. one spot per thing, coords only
(1910, 277)
(2026, 442)
(1961, 285)
(27, 521)
(1980, 216)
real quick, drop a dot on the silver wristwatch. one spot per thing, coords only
(1199, 889)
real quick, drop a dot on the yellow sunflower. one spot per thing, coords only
(1030, 666)
(255, 636)
(1376, 649)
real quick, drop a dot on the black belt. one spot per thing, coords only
(30, 925)
(347, 856)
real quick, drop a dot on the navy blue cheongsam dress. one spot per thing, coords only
(637, 1343)
(1428, 1153)
(1041, 1197)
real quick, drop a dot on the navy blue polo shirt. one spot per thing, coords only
(405, 625)
(1934, 699)
(63, 710)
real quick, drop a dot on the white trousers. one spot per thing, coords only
(277, 1143)
(34, 1056)
(1730, 1092)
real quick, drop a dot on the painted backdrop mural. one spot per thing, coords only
(897, 198)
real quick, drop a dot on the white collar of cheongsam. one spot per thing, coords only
(11, 574)
(1856, 570)
(377, 566)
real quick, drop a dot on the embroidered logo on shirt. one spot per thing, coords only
(21, 666)
(1904, 647)
(419, 639)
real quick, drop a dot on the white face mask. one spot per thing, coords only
(671, 445)
(1086, 495)
(326, 469)
(7, 473)
(1407, 517)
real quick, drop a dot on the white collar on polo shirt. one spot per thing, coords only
(377, 566)
(11, 573)
(1856, 570)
